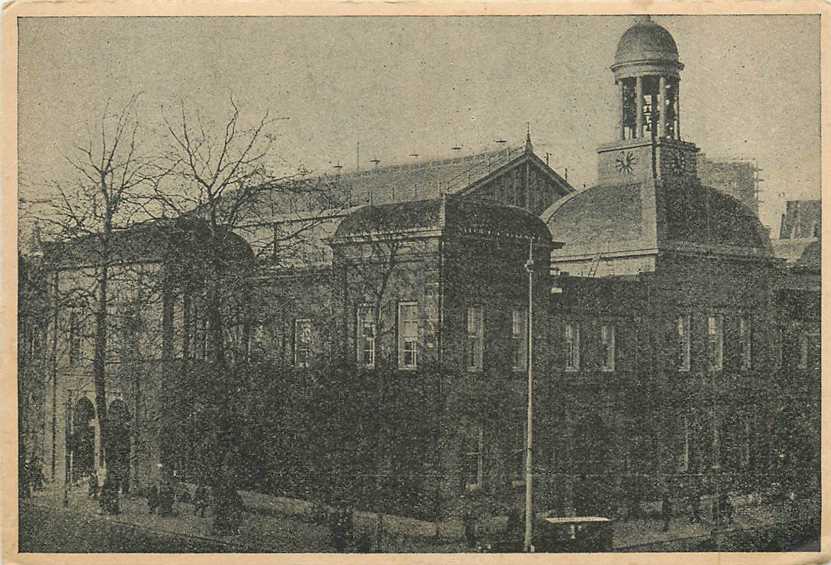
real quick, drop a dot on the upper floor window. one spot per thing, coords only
(519, 339)
(746, 342)
(715, 342)
(407, 335)
(572, 339)
(682, 334)
(607, 340)
(366, 336)
(302, 342)
(475, 338)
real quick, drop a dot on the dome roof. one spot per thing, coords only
(610, 218)
(646, 41)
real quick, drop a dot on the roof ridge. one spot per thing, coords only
(424, 163)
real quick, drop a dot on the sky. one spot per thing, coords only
(416, 85)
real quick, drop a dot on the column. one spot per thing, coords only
(621, 127)
(678, 109)
(639, 107)
(662, 97)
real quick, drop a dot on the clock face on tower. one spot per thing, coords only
(625, 162)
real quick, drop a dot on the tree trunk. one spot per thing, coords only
(99, 369)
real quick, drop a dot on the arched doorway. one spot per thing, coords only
(83, 438)
(118, 455)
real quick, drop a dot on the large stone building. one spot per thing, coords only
(671, 347)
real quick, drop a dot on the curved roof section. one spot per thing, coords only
(597, 217)
(152, 241)
(609, 218)
(703, 215)
(456, 215)
(646, 41)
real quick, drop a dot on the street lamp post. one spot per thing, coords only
(529, 464)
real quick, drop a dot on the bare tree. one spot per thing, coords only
(89, 208)
(222, 175)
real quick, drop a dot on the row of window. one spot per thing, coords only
(733, 441)
(408, 337)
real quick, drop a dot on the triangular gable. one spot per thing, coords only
(525, 181)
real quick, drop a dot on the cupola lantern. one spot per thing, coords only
(647, 74)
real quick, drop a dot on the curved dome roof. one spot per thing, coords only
(609, 218)
(646, 41)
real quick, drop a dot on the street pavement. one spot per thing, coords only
(274, 524)
(186, 531)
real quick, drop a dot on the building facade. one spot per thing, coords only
(388, 359)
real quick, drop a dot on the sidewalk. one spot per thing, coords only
(648, 531)
(257, 532)
(280, 524)
(271, 524)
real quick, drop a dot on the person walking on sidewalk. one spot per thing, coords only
(338, 527)
(200, 499)
(471, 530)
(695, 506)
(153, 498)
(93, 485)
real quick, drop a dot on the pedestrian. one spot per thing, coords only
(364, 542)
(184, 494)
(153, 498)
(514, 528)
(666, 510)
(166, 499)
(350, 525)
(725, 508)
(93, 485)
(235, 515)
(200, 499)
(695, 507)
(338, 527)
(471, 530)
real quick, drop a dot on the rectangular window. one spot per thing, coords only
(607, 339)
(473, 463)
(746, 342)
(682, 333)
(407, 334)
(431, 312)
(519, 340)
(475, 338)
(572, 339)
(302, 342)
(366, 336)
(715, 342)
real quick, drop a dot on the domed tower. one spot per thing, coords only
(648, 123)
(648, 203)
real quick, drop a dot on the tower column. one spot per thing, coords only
(662, 106)
(677, 109)
(638, 107)
(621, 127)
